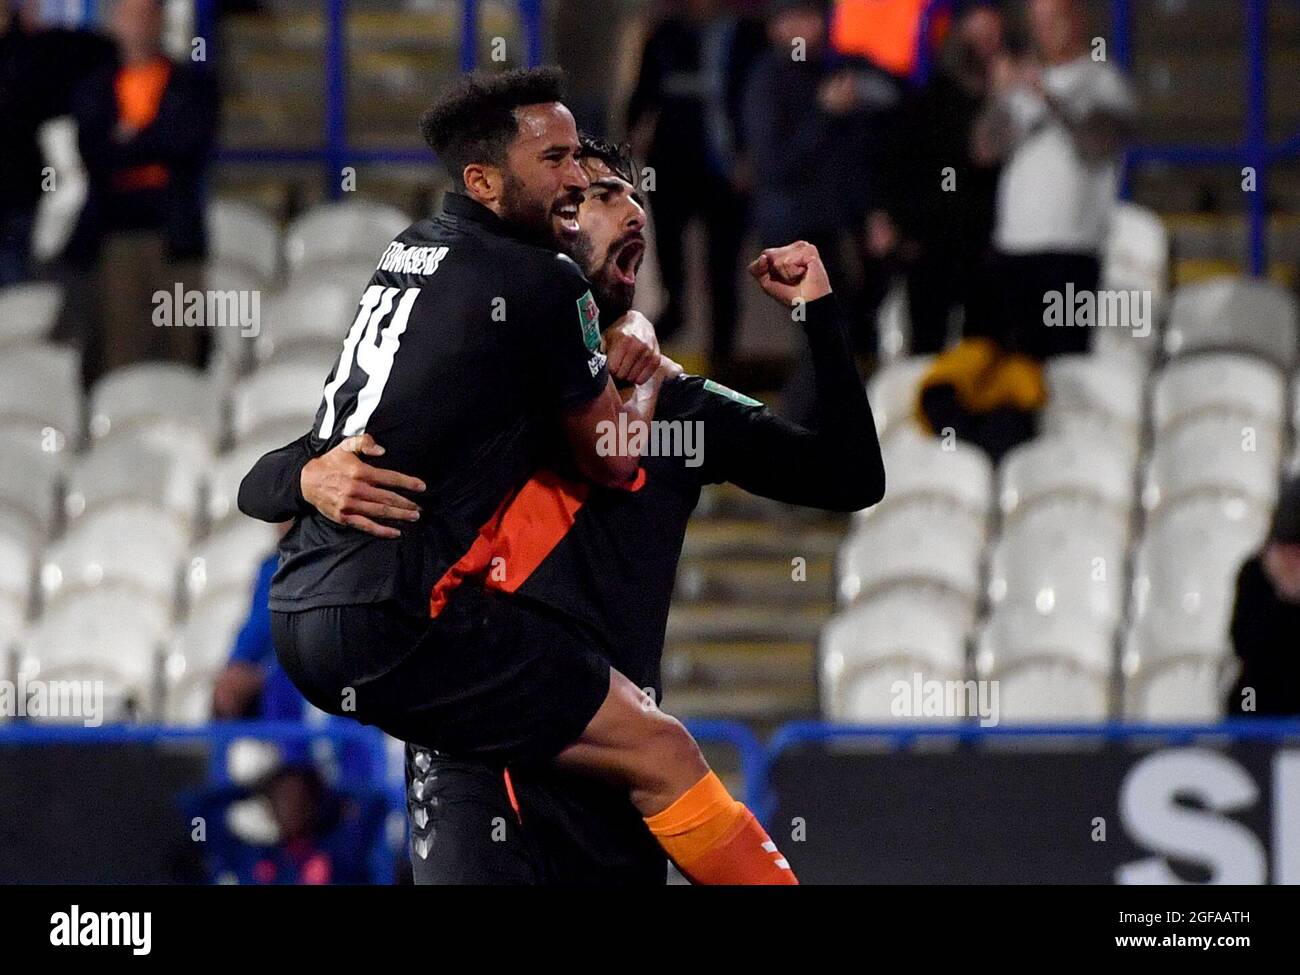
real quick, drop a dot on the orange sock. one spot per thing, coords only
(714, 839)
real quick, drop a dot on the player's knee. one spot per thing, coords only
(673, 750)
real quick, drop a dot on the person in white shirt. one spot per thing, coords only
(1059, 122)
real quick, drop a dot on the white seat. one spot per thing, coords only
(28, 312)
(1214, 454)
(40, 390)
(138, 406)
(1092, 469)
(1050, 692)
(338, 232)
(233, 347)
(1217, 383)
(913, 547)
(1108, 389)
(1135, 254)
(893, 394)
(152, 393)
(867, 648)
(279, 398)
(229, 560)
(1072, 567)
(312, 313)
(1047, 668)
(18, 560)
(1233, 314)
(1184, 572)
(106, 636)
(119, 548)
(1161, 686)
(243, 235)
(1016, 634)
(110, 477)
(28, 492)
(922, 470)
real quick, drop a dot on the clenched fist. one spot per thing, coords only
(792, 273)
(633, 348)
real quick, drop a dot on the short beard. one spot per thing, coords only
(613, 298)
(528, 218)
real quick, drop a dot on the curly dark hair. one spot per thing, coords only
(617, 157)
(473, 120)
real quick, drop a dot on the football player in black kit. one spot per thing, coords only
(611, 565)
(475, 355)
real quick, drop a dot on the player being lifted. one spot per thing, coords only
(614, 571)
(486, 676)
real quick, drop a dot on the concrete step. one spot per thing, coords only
(754, 582)
(718, 660)
(763, 707)
(720, 621)
(759, 539)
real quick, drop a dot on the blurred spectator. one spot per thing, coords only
(145, 131)
(320, 835)
(886, 32)
(253, 685)
(939, 200)
(681, 117)
(815, 124)
(1059, 120)
(1266, 619)
(39, 69)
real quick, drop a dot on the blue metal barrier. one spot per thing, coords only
(335, 152)
(218, 736)
(1254, 150)
(753, 760)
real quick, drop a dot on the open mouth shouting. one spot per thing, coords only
(626, 260)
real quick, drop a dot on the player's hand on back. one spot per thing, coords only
(632, 348)
(348, 491)
(793, 272)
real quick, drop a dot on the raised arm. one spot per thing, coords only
(837, 465)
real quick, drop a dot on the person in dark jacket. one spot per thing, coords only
(39, 69)
(1266, 619)
(682, 116)
(145, 132)
(940, 200)
(815, 125)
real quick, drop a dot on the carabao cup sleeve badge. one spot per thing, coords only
(589, 316)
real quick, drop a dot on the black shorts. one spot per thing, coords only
(493, 678)
(558, 830)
